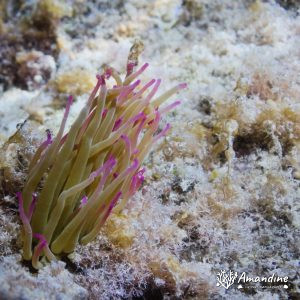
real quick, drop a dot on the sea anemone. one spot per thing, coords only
(77, 179)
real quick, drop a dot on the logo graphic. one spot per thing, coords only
(226, 279)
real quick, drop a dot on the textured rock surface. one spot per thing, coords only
(221, 191)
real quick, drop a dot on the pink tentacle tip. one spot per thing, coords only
(126, 140)
(104, 113)
(83, 201)
(108, 73)
(40, 237)
(140, 175)
(143, 120)
(32, 205)
(154, 123)
(142, 171)
(101, 79)
(166, 129)
(143, 116)
(117, 124)
(137, 181)
(108, 164)
(95, 173)
(144, 66)
(130, 67)
(163, 132)
(114, 202)
(141, 125)
(176, 103)
(135, 163)
(70, 101)
(138, 116)
(42, 244)
(111, 163)
(135, 84)
(133, 166)
(170, 107)
(49, 136)
(182, 85)
(111, 160)
(133, 185)
(145, 87)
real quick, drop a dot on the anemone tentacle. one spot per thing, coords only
(92, 170)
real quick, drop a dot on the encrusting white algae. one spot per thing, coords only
(220, 190)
